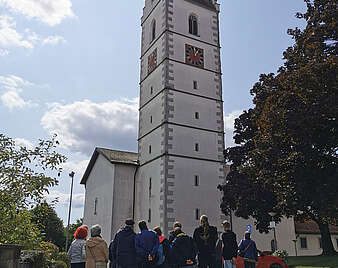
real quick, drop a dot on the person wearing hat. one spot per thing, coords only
(248, 250)
(96, 249)
(230, 248)
(122, 253)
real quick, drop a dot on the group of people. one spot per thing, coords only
(150, 249)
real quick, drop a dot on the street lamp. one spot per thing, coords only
(71, 174)
(295, 241)
(273, 226)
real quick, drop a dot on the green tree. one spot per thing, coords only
(292, 151)
(49, 224)
(25, 176)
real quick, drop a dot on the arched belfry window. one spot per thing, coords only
(193, 24)
(153, 30)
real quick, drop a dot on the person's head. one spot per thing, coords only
(95, 230)
(226, 225)
(158, 230)
(129, 222)
(247, 235)
(177, 224)
(177, 230)
(85, 226)
(81, 233)
(142, 225)
(204, 220)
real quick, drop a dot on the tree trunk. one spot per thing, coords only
(327, 245)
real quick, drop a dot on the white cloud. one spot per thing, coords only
(3, 52)
(10, 89)
(63, 199)
(51, 12)
(24, 143)
(229, 121)
(53, 40)
(9, 37)
(84, 125)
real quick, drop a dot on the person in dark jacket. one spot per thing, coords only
(172, 236)
(183, 251)
(162, 257)
(205, 237)
(230, 247)
(122, 253)
(248, 248)
(146, 245)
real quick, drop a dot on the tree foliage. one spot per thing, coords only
(25, 176)
(286, 158)
(50, 225)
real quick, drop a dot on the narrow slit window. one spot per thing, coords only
(151, 119)
(197, 180)
(197, 147)
(197, 214)
(95, 206)
(150, 187)
(195, 84)
(149, 215)
(153, 30)
(149, 149)
(193, 25)
(151, 90)
(197, 115)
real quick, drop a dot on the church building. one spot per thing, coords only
(179, 163)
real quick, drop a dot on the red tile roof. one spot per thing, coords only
(310, 227)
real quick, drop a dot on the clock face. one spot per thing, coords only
(194, 56)
(152, 61)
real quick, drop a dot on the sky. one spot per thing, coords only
(71, 68)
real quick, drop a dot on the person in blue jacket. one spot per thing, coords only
(146, 245)
(247, 248)
(122, 253)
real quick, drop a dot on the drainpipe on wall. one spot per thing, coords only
(134, 190)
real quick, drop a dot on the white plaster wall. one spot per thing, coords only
(184, 140)
(285, 233)
(100, 185)
(143, 203)
(313, 246)
(158, 15)
(185, 107)
(155, 140)
(123, 195)
(188, 197)
(182, 11)
(154, 109)
(160, 56)
(148, 7)
(154, 80)
(185, 75)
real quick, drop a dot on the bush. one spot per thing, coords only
(281, 253)
(49, 249)
(60, 264)
(37, 258)
(62, 256)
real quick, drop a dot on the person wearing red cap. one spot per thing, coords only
(77, 250)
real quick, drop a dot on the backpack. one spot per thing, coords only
(160, 255)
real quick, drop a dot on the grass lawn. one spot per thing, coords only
(313, 261)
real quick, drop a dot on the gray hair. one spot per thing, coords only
(95, 230)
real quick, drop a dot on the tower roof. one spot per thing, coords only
(206, 3)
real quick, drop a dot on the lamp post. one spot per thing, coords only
(71, 174)
(295, 241)
(273, 226)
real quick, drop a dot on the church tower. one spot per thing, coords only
(181, 128)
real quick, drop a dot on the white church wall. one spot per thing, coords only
(185, 75)
(186, 107)
(150, 146)
(147, 198)
(123, 195)
(151, 115)
(205, 19)
(147, 21)
(185, 139)
(100, 187)
(187, 197)
(154, 81)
